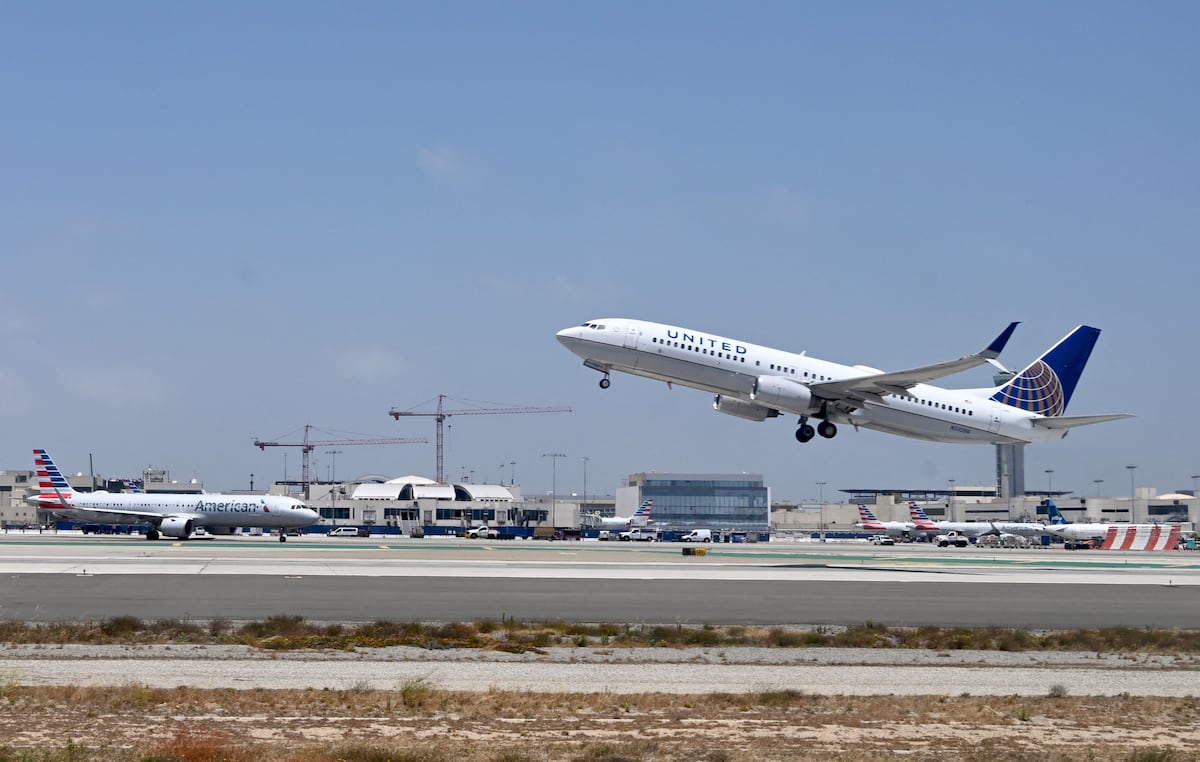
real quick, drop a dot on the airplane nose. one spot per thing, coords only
(568, 336)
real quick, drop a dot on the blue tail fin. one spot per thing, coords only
(1053, 515)
(1046, 386)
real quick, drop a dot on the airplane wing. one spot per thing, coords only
(1070, 421)
(872, 388)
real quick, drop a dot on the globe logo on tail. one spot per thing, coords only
(1037, 390)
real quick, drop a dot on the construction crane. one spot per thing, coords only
(309, 445)
(441, 414)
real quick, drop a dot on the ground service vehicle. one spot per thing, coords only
(952, 538)
(882, 539)
(484, 533)
(697, 535)
(638, 534)
(350, 532)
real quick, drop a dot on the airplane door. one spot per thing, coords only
(995, 424)
(631, 337)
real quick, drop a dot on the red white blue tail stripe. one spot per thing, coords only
(643, 511)
(920, 518)
(50, 479)
(867, 519)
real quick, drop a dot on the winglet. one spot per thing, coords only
(997, 346)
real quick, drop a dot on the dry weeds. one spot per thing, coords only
(138, 724)
(418, 723)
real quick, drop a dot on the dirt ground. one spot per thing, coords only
(417, 722)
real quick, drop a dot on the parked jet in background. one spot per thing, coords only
(1060, 527)
(640, 518)
(172, 515)
(1020, 528)
(756, 383)
(965, 528)
(868, 522)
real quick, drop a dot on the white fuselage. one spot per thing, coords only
(965, 528)
(730, 368)
(1079, 531)
(1021, 528)
(890, 528)
(210, 511)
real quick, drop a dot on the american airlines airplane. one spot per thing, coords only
(172, 515)
(640, 518)
(757, 383)
(966, 528)
(868, 521)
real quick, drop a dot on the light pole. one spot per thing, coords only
(1131, 490)
(1097, 482)
(332, 475)
(1194, 478)
(585, 462)
(821, 508)
(950, 502)
(512, 473)
(501, 474)
(1049, 482)
(553, 456)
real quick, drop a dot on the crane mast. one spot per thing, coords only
(308, 445)
(441, 414)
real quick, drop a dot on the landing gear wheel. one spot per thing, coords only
(283, 537)
(805, 433)
(151, 534)
(827, 429)
(605, 383)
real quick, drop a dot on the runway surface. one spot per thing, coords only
(76, 578)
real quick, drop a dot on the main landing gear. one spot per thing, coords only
(605, 382)
(806, 432)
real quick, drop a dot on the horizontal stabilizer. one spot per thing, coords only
(1071, 421)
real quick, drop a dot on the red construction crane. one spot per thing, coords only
(441, 414)
(309, 445)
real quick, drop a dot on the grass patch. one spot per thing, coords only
(288, 633)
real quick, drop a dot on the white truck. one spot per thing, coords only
(638, 535)
(697, 535)
(483, 532)
(952, 538)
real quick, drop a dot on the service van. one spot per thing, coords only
(697, 535)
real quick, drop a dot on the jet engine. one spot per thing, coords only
(748, 410)
(783, 393)
(177, 527)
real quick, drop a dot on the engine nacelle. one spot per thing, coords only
(741, 409)
(177, 527)
(783, 393)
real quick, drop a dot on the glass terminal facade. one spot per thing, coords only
(716, 501)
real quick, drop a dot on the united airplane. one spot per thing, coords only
(171, 515)
(756, 383)
(640, 518)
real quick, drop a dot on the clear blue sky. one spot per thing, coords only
(224, 220)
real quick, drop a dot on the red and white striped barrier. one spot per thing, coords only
(1142, 537)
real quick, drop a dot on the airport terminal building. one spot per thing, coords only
(722, 502)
